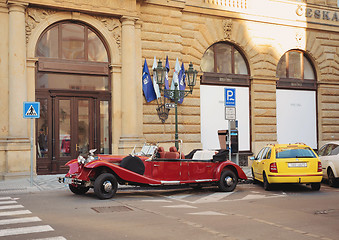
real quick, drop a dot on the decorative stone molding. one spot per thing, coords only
(34, 16)
(229, 3)
(227, 25)
(113, 26)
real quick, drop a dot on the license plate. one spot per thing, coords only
(297, 164)
(68, 180)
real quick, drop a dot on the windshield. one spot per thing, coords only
(295, 153)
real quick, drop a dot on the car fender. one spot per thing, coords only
(232, 166)
(334, 169)
(122, 173)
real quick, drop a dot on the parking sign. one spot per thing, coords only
(229, 97)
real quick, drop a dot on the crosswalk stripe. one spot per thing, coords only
(5, 198)
(11, 213)
(19, 220)
(208, 213)
(51, 238)
(25, 230)
(215, 197)
(10, 207)
(7, 202)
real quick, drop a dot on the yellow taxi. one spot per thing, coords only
(287, 163)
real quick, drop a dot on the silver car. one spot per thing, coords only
(329, 156)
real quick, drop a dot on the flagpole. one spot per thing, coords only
(176, 91)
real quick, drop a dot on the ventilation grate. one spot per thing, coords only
(112, 209)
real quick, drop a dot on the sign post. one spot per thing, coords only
(230, 115)
(32, 111)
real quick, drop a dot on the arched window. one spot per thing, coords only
(296, 71)
(72, 48)
(73, 42)
(296, 104)
(223, 63)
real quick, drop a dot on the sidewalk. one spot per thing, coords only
(48, 182)
(40, 183)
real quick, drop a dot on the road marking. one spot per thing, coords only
(156, 200)
(7, 202)
(5, 198)
(51, 238)
(208, 213)
(19, 220)
(180, 206)
(12, 213)
(215, 197)
(25, 230)
(10, 207)
(252, 196)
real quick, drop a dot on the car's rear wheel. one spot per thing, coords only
(228, 181)
(105, 186)
(78, 189)
(267, 185)
(332, 181)
(315, 186)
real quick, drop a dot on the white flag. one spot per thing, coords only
(155, 85)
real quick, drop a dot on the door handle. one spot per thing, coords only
(156, 165)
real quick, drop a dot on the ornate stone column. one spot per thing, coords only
(17, 145)
(17, 71)
(130, 134)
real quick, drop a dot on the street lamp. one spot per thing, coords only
(173, 94)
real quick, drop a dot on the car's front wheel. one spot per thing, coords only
(228, 181)
(78, 189)
(105, 186)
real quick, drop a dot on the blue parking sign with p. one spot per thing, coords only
(31, 110)
(229, 97)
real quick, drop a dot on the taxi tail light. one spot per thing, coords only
(319, 167)
(273, 167)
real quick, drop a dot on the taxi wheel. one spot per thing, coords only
(78, 189)
(267, 186)
(105, 186)
(315, 186)
(228, 181)
(332, 181)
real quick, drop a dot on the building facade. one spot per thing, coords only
(82, 60)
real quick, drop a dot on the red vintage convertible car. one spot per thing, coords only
(151, 167)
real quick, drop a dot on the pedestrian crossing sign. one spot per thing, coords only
(31, 110)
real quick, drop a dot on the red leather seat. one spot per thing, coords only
(161, 152)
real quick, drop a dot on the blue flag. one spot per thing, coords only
(182, 83)
(166, 77)
(147, 85)
(167, 70)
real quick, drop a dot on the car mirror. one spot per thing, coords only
(252, 158)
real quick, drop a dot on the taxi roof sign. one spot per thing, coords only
(31, 110)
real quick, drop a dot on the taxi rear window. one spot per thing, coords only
(294, 153)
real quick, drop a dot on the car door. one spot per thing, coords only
(166, 169)
(333, 159)
(262, 162)
(324, 161)
(256, 165)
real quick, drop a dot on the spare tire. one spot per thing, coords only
(133, 164)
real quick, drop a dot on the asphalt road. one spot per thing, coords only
(287, 212)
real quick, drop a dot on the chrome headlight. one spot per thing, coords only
(81, 160)
(90, 157)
